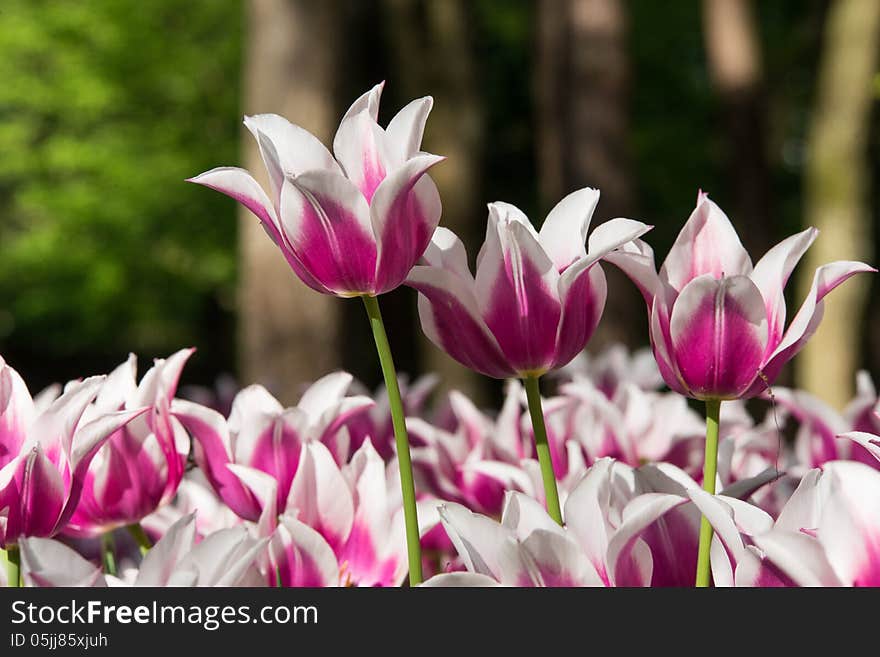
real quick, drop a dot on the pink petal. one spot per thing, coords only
(719, 333)
(672, 541)
(708, 244)
(583, 300)
(301, 556)
(798, 557)
(16, 413)
(212, 451)
(558, 561)
(849, 527)
(42, 495)
(405, 210)
(869, 441)
(321, 495)
(361, 147)
(516, 288)
(327, 224)
(451, 319)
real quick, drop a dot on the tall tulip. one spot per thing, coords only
(351, 224)
(534, 302)
(717, 323)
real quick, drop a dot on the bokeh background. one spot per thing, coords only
(106, 106)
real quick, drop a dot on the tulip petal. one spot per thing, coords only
(472, 580)
(484, 546)
(771, 274)
(301, 556)
(404, 211)
(673, 545)
(798, 557)
(325, 393)
(808, 317)
(516, 288)
(162, 559)
(326, 220)
(49, 563)
(42, 495)
(585, 513)
(446, 251)
(583, 300)
(223, 558)
(287, 149)
(558, 561)
(450, 318)
(406, 129)
(361, 147)
(708, 244)
(212, 451)
(523, 515)
(636, 260)
(369, 101)
(570, 217)
(16, 413)
(719, 334)
(849, 527)
(321, 495)
(869, 441)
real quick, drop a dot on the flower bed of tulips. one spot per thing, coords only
(613, 480)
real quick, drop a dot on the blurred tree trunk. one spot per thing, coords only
(836, 189)
(734, 57)
(581, 91)
(432, 50)
(287, 332)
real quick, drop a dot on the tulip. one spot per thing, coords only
(44, 457)
(535, 300)
(825, 535)
(717, 323)
(141, 465)
(349, 224)
(263, 435)
(339, 525)
(476, 462)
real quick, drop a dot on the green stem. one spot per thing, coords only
(704, 569)
(13, 566)
(533, 392)
(398, 420)
(140, 536)
(108, 552)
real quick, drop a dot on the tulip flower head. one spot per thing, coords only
(536, 298)
(717, 323)
(140, 467)
(351, 223)
(44, 456)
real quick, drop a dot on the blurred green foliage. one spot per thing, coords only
(105, 108)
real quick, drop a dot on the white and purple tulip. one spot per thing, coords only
(349, 223)
(717, 323)
(537, 296)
